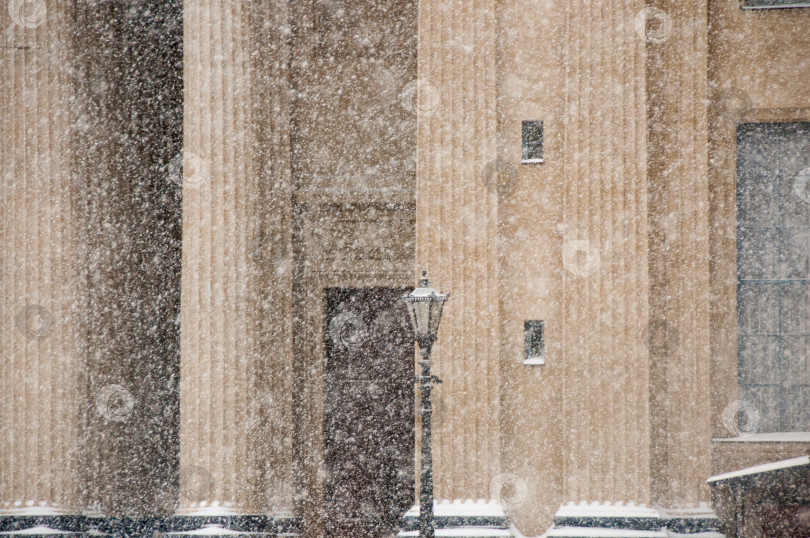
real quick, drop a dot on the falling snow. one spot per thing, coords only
(309, 267)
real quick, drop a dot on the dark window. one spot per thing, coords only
(773, 273)
(534, 341)
(532, 141)
(766, 4)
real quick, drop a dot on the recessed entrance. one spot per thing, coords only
(368, 411)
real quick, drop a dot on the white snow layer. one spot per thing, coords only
(40, 529)
(581, 532)
(449, 532)
(575, 532)
(776, 437)
(32, 509)
(595, 509)
(213, 510)
(208, 530)
(465, 508)
(764, 468)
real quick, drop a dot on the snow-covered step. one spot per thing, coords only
(599, 532)
(218, 531)
(461, 518)
(40, 530)
(463, 532)
(620, 517)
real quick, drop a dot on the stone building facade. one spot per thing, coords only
(208, 207)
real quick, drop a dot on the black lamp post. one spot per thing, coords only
(425, 308)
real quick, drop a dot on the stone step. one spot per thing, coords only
(601, 532)
(460, 519)
(462, 532)
(40, 531)
(68, 526)
(219, 531)
(619, 520)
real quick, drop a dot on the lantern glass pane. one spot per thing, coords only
(422, 315)
(435, 316)
(410, 305)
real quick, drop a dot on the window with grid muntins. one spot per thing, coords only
(773, 272)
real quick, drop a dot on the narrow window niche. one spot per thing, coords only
(534, 342)
(532, 142)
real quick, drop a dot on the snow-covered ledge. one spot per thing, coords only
(761, 469)
(208, 510)
(461, 517)
(777, 437)
(607, 509)
(31, 508)
(593, 519)
(212, 530)
(462, 508)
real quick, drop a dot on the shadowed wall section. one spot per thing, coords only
(90, 272)
(128, 132)
(679, 330)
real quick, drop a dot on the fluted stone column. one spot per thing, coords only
(606, 431)
(456, 234)
(679, 251)
(236, 426)
(38, 333)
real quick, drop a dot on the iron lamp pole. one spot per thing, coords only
(425, 308)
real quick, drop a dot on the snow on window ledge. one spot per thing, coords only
(776, 437)
(760, 469)
(534, 361)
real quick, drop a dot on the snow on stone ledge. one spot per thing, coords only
(214, 510)
(38, 530)
(595, 532)
(595, 509)
(776, 437)
(709, 534)
(592, 532)
(209, 530)
(462, 508)
(466, 532)
(31, 509)
(764, 468)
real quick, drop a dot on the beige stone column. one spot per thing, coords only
(38, 333)
(235, 433)
(604, 251)
(679, 251)
(456, 234)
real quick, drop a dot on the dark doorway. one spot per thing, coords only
(368, 411)
(791, 521)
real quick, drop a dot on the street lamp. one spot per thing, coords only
(425, 308)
